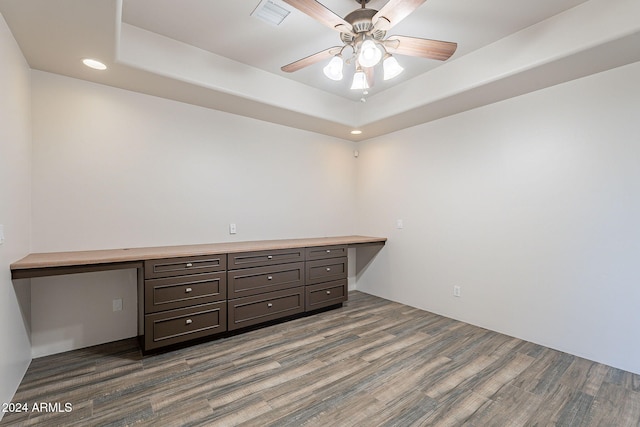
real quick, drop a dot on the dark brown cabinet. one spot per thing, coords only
(271, 286)
(325, 294)
(176, 326)
(326, 272)
(324, 252)
(261, 308)
(251, 281)
(169, 267)
(261, 258)
(184, 299)
(183, 291)
(194, 297)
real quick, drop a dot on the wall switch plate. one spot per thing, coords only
(117, 304)
(232, 228)
(456, 291)
(1, 234)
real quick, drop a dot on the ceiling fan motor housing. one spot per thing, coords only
(361, 21)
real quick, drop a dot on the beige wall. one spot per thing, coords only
(15, 211)
(531, 206)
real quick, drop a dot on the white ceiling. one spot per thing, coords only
(213, 53)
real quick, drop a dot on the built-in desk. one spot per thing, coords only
(195, 291)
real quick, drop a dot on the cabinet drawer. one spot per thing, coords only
(175, 326)
(264, 307)
(157, 268)
(252, 281)
(262, 258)
(324, 252)
(182, 291)
(326, 270)
(325, 294)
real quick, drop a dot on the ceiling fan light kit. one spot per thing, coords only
(369, 55)
(391, 67)
(359, 81)
(364, 30)
(333, 69)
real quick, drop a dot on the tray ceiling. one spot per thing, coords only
(215, 54)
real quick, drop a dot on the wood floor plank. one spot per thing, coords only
(401, 385)
(551, 410)
(407, 409)
(356, 411)
(545, 373)
(366, 344)
(394, 347)
(203, 384)
(237, 391)
(615, 405)
(511, 406)
(294, 391)
(238, 412)
(457, 408)
(457, 377)
(505, 370)
(293, 400)
(584, 375)
(370, 363)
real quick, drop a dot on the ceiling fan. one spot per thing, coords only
(363, 31)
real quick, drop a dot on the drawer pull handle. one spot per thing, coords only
(269, 257)
(328, 251)
(188, 290)
(328, 268)
(328, 292)
(269, 277)
(189, 264)
(189, 321)
(269, 305)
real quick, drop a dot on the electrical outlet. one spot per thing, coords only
(232, 228)
(456, 291)
(117, 304)
(1, 234)
(399, 224)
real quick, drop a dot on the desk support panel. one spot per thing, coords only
(72, 269)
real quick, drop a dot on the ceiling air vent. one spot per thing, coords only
(271, 12)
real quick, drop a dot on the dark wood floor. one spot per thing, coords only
(372, 362)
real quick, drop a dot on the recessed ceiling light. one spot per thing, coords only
(356, 132)
(93, 63)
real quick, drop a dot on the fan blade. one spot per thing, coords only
(321, 14)
(393, 12)
(369, 73)
(311, 59)
(424, 48)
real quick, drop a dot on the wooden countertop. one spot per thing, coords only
(51, 263)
